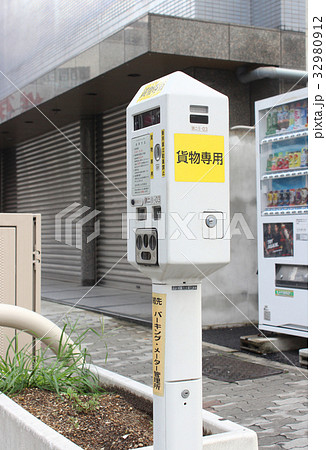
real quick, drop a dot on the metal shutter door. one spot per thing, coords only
(8, 181)
(48, 180)
(111, 247)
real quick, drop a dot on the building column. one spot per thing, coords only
(88, 195)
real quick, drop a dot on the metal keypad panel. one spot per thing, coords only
(146, 246)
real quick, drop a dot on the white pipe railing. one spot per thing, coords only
(36, 325)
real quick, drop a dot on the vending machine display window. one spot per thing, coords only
(283, 165)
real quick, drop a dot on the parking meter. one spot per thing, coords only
(178, 211)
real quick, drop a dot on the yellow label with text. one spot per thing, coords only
(199, 158)
(163, 151)
(151, 148)
(152, 89)
(158, 330)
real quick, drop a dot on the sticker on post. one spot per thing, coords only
(158, 321)
(152, 89)
(199, 158)
(141, 165)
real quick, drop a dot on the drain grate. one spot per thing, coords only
(228, 368)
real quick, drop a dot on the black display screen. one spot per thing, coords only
(147, 119)
(195, 118)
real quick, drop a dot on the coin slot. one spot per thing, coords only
(145, 240)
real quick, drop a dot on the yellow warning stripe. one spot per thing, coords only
(163, 151)
(152, 155)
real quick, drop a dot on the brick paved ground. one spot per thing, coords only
(274, 406)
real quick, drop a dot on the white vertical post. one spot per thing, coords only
(177, 366)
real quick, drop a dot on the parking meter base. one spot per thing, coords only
(177, 362)
(177, 416)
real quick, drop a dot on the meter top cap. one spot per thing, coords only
(178, 179)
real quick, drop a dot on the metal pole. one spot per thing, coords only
(177, 366)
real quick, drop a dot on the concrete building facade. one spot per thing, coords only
(62, 133)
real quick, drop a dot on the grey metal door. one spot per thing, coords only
(47, 181)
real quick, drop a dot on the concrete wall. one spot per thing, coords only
(230, 296)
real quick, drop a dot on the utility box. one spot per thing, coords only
(20, 269)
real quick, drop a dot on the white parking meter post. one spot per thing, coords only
(178, 210)
(177, 374)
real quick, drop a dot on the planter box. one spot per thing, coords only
(20, 429)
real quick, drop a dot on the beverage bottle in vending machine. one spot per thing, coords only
(304, 115)
(269, 163)
(280, 161)
(269, 123)
(274, 120)
(298, 197)
(292, 197)
(297, 158)
(286, 161)
(279, 118)
(297, 116)
(286, 197)
(291, 117)
(291, 160)
(275, 198)
(304, 196)
(304, 157)
(286, 116)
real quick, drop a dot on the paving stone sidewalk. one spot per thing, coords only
(274, 406)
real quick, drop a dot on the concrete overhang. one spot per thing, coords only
(109, 73)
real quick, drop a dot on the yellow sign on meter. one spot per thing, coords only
(152, 89)
(199, 158)
(158, 311)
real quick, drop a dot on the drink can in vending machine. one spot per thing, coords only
(292, 197)
(281, 198)
(270, 199)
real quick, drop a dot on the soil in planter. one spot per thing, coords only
(111, 422)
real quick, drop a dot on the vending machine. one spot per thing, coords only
(282, 212)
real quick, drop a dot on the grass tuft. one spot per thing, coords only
(65, 373)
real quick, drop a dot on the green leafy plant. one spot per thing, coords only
(82, 403)
(66, 372)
